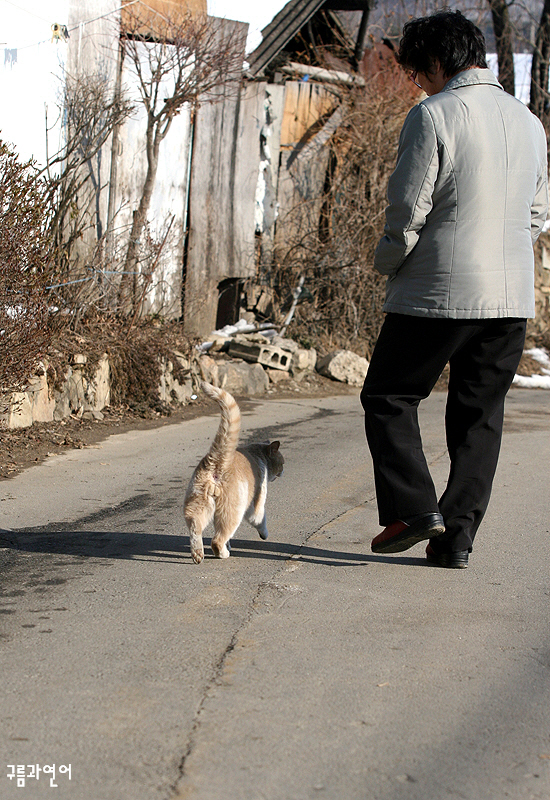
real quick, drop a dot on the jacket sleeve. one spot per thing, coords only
(539, 209)
(410, 190)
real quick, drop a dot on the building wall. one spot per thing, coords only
(230, 176)
(168, 203)
(224, 175)
(152, 15)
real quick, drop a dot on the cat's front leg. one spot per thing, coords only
(261, 527)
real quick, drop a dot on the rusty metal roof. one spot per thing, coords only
(290, 19)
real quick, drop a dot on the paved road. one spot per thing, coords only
(302, 667)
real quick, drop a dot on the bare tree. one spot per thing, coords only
(184, 61)
(503, 30)
(91, 110)
(539, 97)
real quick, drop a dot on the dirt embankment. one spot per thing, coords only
(26, 447)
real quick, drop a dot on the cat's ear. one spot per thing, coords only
(274, 446)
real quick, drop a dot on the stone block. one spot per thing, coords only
(344, 366)
(240, 378)
(209, 372)
(40, 396)
(19, 411)
(277, 375)
(98, 390)
(79, 392)
(35, 404)
(171, 390)
(303, 360)
(286, 344)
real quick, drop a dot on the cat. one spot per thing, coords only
(230, 483)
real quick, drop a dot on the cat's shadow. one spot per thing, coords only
(169, 548)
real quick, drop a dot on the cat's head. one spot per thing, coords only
(275, 460)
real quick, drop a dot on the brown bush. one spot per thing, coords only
(25, 262)
(332, 241)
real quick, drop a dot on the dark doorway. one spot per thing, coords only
(229, 301)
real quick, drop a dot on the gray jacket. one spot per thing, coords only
(467, 200)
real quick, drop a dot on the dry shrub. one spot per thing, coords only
(25, 264)
(332, 241)
(136, 354)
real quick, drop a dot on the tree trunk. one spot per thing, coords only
(538, 101)
(128, 284)
(362, 35)
(502, 27)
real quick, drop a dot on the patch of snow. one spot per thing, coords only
(536, 381)
(540, 355)
(532, 382)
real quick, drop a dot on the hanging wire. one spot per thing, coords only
(70, 30)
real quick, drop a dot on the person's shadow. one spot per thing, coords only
(60, 540)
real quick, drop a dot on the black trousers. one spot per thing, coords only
(410, 355)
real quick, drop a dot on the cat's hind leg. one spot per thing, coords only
(197, 516)
(226, 522)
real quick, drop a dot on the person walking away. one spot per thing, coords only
(467, 200)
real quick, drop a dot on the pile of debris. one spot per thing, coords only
(247, 358)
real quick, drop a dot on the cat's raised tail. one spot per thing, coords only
(222, 450)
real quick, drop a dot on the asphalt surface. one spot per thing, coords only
(301, 667)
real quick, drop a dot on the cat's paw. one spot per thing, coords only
(221, 552)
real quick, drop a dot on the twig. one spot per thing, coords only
(139, 305)
(296, 295)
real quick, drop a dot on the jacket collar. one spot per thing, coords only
(472, 77)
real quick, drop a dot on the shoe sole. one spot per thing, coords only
(409, 537)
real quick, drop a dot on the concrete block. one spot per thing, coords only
(267, 355)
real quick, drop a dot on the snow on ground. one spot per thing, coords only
(536, 381)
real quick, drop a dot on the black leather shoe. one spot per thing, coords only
(399, 536)
(456, 560)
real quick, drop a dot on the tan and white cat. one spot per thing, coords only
(230, 483)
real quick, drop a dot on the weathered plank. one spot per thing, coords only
(224, 174)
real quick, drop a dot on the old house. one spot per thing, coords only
(276, 149)
(229, 173)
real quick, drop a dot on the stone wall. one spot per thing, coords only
(79, 395)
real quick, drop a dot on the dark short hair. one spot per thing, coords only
(447, 37)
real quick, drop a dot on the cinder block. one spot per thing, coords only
(266, 355)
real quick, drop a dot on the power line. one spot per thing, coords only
(70, 30)
(26, 10)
